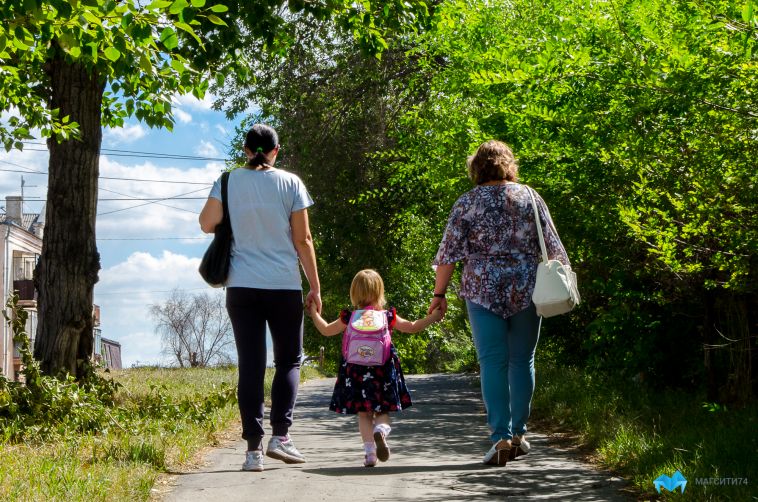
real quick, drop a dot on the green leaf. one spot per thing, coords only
(747, 11)
(216, 20)
(188, 29)
(158, 5)
(91, 18)
(169, 38)
(177, 66)
(198, 3)
(112, 53)
(178, 6)
(219, 8)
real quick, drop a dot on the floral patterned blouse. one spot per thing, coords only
(491, 229)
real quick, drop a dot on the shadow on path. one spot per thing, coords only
(437, 446)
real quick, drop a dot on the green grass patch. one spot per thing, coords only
(160, 420)
(641, 433)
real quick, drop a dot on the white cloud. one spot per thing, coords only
(126, 291)
(154, 219)
(126, 134)
(182, 116)
(188, 101)
(206, 149)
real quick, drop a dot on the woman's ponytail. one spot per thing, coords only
(260, 139)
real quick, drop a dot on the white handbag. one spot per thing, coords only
(555, 290)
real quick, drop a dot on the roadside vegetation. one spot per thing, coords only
(642, 433)
(109, 436)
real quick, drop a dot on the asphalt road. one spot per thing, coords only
(437, 446)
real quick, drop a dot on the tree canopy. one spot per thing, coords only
(636, 122)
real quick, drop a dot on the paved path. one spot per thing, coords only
(436, 456)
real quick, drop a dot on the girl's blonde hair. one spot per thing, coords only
(367, 289)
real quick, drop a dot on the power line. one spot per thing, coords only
(110, 293)
(134, 153)
(164, 205)
(154, 238)
(29, 170)
(154, 202)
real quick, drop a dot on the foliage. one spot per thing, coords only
(333, 107)
(642, 433)
(43, 407)
(132, 58)
(195, 328)
(636, 121)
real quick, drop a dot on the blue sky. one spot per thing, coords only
(149, 250)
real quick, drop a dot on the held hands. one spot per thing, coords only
(438, 304)
(436, 315)
(313, 301)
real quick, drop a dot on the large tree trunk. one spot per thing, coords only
(67, 271)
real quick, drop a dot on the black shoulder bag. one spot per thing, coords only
(214, 267)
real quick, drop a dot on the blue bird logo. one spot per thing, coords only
(670, 483)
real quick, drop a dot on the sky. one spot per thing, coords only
(146, 249)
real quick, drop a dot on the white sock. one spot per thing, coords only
(383, 428)
(369, 446)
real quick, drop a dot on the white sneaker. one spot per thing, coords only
(380, 438)
(519, 447)
(498, 454)
(284, 451)
(253, 461)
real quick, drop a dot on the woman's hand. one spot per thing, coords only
(313, 301)
(438, 303)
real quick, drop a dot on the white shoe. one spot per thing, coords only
(284, 451)
(253, 461)
(380, 438)
(520, 446)
(498, 454)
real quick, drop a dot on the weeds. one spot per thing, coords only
(642, 433)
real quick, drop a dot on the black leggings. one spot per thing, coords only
(249, 310)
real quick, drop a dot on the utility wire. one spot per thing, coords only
(33, 171)
(154, 202)
(134, 153)
(164, 205)
(154, 238)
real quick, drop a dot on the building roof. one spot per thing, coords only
(27, 220)
(110, 342)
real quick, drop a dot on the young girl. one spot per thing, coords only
(371, 392)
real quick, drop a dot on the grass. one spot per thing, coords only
(124, 462)
(642, 434)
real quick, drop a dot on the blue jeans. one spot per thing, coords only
(505, 348)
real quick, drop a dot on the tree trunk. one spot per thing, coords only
(67, 270)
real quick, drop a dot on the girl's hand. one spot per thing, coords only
(436, 315)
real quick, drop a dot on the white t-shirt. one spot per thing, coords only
(260, 205)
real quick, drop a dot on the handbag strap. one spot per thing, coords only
(539, 225)
(224, 195)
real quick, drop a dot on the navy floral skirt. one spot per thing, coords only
(370, 388)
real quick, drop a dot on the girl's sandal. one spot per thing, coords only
(369, 460)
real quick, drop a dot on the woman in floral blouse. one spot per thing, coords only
(491, 229)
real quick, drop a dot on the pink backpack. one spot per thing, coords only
(367, 338)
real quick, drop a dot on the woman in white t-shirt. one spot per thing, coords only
(269, 217)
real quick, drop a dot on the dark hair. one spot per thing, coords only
(493, 161)
(260, 139)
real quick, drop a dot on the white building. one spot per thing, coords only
(20, 247)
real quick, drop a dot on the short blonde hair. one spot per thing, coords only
(367, 289)
(493, 161)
